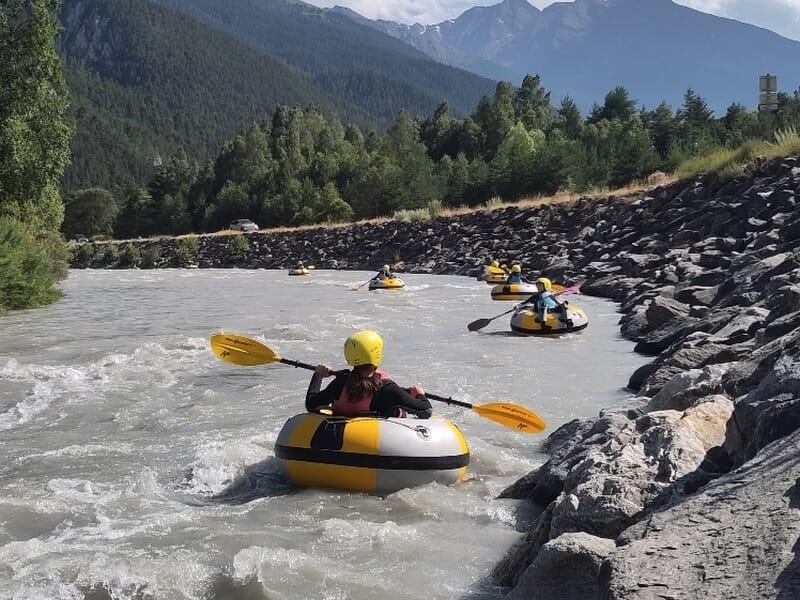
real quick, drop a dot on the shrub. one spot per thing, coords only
(493, 202)
(732, 162)
(409, 215)
(435, 208)
(130, 256)
(787, 139)
(110, 255)
(237, 247)
(85, 252)
(27, 274)
(187, 252)
(56, 250)
(150, 257)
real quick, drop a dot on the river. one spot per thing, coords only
(136, 465)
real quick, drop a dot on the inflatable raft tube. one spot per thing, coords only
(564, 320)
(371, 454)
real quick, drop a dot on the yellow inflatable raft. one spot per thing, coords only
(563, 319)
(390, 283)
(303, 271)
(371, 454)
(493, 275)
(513, 291)
(495, 278)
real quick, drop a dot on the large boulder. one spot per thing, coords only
(737, 538)
(574, 557)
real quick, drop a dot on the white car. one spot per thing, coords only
(243, 225)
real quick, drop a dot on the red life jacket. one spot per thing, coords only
(344, 406)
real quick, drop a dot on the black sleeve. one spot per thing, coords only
(316, 399)
(391, 396)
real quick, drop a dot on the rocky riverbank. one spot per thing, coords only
(693, 492)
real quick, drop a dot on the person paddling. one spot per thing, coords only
(365, 391)
(384, 273)
(516, 275)
(543, 300)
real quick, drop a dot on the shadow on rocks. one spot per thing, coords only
(788, 583)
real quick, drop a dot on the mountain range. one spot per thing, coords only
(356, 63)
(656, 49)
(147, 79)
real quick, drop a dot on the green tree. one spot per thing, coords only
(663, 127)
(439, 134)
(245, 159)
(331, 206)
(788, 114)
(511, 164)
(458, 177)
(695, 111)
(699, 129)
(34, 134)
(633, 155)
(532, 104)
(496, 118)
(413, 182)
(91, 212)
(480, 185)
(135, 216)
(232, 202)
(471, 138)
(286, 137)
(568, 119)
(740, 125)
(170, 189)
(26, 272)
(549, 171)
(617, 105)
(373, 191)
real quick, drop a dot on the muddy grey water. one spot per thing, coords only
(137, 465)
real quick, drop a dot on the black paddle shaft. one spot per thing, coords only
(302, 365)
(447, 400)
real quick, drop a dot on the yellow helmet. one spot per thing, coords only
(516, 269)
(548, 286)
(495, 263)
(363, 348)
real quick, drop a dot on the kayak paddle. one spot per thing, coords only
(241, 350)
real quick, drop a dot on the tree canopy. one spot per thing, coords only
(301, 167)
(34, 148)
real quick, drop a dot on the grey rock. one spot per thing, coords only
(734, 539)
(579, 555)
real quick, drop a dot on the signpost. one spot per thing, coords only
(768, 93)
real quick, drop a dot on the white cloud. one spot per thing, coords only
(426, 12)
(781, 16)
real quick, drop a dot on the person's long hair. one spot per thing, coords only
(359, 383)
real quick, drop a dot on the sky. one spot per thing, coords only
(780, 16)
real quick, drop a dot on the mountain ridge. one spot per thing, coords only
(319, 43)
(147, 80)
(654, 48)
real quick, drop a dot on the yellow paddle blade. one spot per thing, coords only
(241, 350)
(512, 416)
